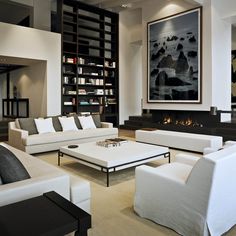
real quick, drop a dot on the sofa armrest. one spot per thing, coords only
(35, 186)
(16, 136)
(107, 125)
(186, 159)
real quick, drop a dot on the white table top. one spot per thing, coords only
(113, 156)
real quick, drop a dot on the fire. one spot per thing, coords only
(183, 122)
(167, 120)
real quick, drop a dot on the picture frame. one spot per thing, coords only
(174, 60)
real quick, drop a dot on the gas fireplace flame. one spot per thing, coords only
(167, 120)
(183, 122)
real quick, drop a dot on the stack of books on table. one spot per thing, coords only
(113, 142)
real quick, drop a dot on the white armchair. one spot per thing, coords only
(191, 196)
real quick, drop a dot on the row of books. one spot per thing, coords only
(82, 61)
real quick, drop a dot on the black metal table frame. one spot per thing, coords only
(107, 169)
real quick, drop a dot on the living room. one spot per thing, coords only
(118, 93)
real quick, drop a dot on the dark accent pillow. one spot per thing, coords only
(97, 121)
(28, 124)
(77, 121)
(11, 169)
(56, 123)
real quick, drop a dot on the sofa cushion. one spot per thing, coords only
(77, 121)
(56, 123)
(97, 121)
(87, 122)
(67, 123)
(68, 135)
(28, 124)
(44, 125)
(11, 169)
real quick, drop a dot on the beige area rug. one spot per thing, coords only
(112, 207)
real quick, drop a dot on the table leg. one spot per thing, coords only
(59, 158)
(107, 178)
(167, 155)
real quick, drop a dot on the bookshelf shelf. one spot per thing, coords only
(89, 59)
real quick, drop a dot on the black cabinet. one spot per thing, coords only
(90, 70)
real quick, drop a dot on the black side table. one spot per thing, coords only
(47, 215)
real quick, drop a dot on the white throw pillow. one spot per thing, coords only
(44, 125)
(87, 122)
(67, 123)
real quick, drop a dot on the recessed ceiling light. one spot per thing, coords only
(126, 5)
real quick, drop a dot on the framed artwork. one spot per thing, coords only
(174, 58)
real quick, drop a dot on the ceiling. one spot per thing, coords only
(13, 13)
(116, 5)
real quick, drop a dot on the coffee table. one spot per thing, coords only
(49, 214)
(112, 159)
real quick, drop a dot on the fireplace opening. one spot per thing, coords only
(182, 122)
(184, 119)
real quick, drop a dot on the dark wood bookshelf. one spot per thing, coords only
(90, 60)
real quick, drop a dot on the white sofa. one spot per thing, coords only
(180, 140)
(37, 143)
(193, 196)
(44, 178)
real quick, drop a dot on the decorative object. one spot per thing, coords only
(67, 123)
(15, 91)
(11, 169)
(112, 142)
(44, 125)
(87, 122)
(174, 58)
(213, 111)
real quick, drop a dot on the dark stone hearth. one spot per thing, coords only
(200, 122)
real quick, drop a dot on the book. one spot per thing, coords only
(117, 140)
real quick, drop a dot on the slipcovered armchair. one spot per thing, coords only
(193, 196)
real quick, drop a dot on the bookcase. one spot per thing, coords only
(90, 69)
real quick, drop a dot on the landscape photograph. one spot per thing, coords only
(174, 59)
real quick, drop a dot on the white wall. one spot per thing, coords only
(130, 61)
(41, 13)
(30, 83)
(221, 59)
(28, 43)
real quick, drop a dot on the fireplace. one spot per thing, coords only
(185, 121)
(200, 122)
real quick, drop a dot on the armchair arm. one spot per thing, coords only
(186, 159)
(154, 189)
(16, 136)
(35, 186)
(107, 125)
